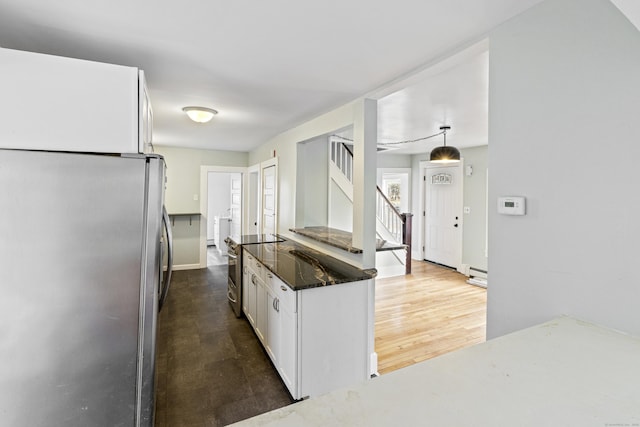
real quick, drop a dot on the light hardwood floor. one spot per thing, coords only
(425, 314)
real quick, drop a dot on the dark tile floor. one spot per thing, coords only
(212, 370)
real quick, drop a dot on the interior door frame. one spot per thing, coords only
(424, 165)
(204, 202)
(252, 200)
(263, 165)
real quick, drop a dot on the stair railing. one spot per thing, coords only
(342, 157)
(388, 215)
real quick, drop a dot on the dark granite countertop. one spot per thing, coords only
(342, 239)
(301, 267)
(254, 239)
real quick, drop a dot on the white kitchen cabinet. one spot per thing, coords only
(318, 338)
(249, 288)
(272, 342)
(261, 324)
(55, 103)
(334, 343)
(245, 288)
(283, 325)
(145, 119)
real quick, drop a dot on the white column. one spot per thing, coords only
(365, 130)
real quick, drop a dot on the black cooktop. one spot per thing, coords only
(254, 239)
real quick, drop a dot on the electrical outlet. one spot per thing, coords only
(195, 197)
(467, 209)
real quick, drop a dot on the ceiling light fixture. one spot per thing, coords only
(444, 153)
(200, 114)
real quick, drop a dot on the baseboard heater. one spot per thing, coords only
(477, 277)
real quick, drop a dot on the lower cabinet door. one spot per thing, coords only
(273, 328)
(261, 310)
(288, 356)
(252, 298)
(246, 277)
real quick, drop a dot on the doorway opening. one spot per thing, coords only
(221, 202)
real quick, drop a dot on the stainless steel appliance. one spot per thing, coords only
(234, 252)
(80, 279)
(234, 285)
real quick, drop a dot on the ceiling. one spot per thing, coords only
(268, 66)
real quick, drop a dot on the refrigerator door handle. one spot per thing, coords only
(164, 290)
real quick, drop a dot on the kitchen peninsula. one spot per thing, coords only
(312, 313)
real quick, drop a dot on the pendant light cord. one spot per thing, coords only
(408, 141)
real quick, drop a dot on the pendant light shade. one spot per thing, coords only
(444, 153)
(200, 114)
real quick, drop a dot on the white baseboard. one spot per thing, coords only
(390, 271)
(477, 273)
(478, 282)
(373, 368)
(186, 267)
(464, 269)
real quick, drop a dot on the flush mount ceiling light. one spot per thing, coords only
(200, 114)
(444, 153)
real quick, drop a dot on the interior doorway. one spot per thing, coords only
(221, 199)
(395, 184)
(224, 213)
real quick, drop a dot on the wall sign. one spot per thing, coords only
(441, 178)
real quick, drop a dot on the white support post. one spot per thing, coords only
(365, 130)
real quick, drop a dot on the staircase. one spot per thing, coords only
(392, 226)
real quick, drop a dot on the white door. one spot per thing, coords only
(269, 200)
(443, 216)
(235, 184)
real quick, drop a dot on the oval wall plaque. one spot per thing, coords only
(441, 178)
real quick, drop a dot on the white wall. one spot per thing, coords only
(183, 183)
(285, 147)
(387, 160)
(312, 183)
(183, 174)
(341, 209)
(564, 131)
(474, 226)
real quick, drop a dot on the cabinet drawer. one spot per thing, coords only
(284, 293)
(255, 266)
(246, 259)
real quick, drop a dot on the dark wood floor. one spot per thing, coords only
(212, 370)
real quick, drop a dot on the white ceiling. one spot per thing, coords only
(454, 93)
(270, 65)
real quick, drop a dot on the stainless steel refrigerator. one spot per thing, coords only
(81, 248)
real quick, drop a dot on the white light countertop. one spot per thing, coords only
(565, 372)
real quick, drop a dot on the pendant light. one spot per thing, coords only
(444, 153)
(200, 114)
